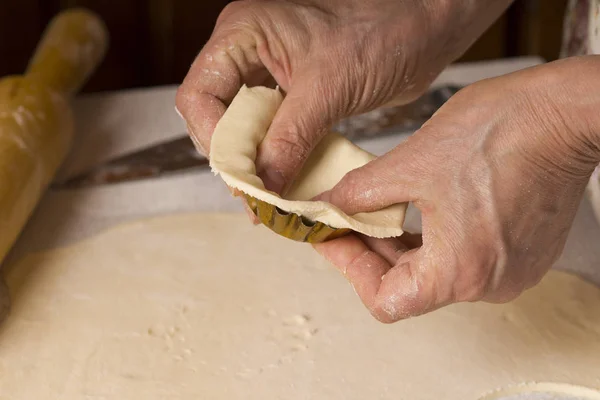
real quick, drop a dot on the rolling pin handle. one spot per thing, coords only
(71, 48)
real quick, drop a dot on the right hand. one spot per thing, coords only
(333, 59)
(498, 174)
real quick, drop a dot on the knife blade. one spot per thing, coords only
(162, 159)
(404, 118)
(178, 155)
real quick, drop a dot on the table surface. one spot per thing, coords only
(116, 123)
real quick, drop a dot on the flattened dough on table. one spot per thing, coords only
(233, 153)
(544, 391)
(209, 307)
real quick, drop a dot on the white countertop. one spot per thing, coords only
(116, 123)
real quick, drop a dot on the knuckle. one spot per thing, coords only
(350, 186)
(352, 179)
(291, 146)
(240, 16)
(347, 193)
(231, 9)
(187, 98)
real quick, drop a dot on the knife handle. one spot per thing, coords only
(70, 49)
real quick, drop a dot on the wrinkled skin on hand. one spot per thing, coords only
(332, 58)
(497, 173)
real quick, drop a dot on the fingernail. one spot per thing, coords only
(196, 142)
(237, 193)
(273, 180)
(251, 215)
(179, 113)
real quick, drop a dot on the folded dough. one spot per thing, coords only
(233, 154)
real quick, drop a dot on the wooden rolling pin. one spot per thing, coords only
(36, 122)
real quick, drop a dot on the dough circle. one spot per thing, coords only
(544, 391)
(208, 306)
(233, 152)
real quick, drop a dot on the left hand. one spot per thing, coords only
(497, 173)
(333, 59)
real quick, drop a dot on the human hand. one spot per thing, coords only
(332, 58)
(497, 173)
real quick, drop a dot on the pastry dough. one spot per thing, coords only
(206, 306)
(544, 391)
(233, 153)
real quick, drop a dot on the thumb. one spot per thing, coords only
(387, 180)
(421, 280)
(300, 123)
(413, 287)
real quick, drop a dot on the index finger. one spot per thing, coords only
(226, 62)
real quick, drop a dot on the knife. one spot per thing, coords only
(179, 155)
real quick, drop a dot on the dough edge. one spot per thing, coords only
(554, 388)
(319, 211)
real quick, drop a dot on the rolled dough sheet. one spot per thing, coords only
(544, 391)
(233, 151)
(206, 306)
